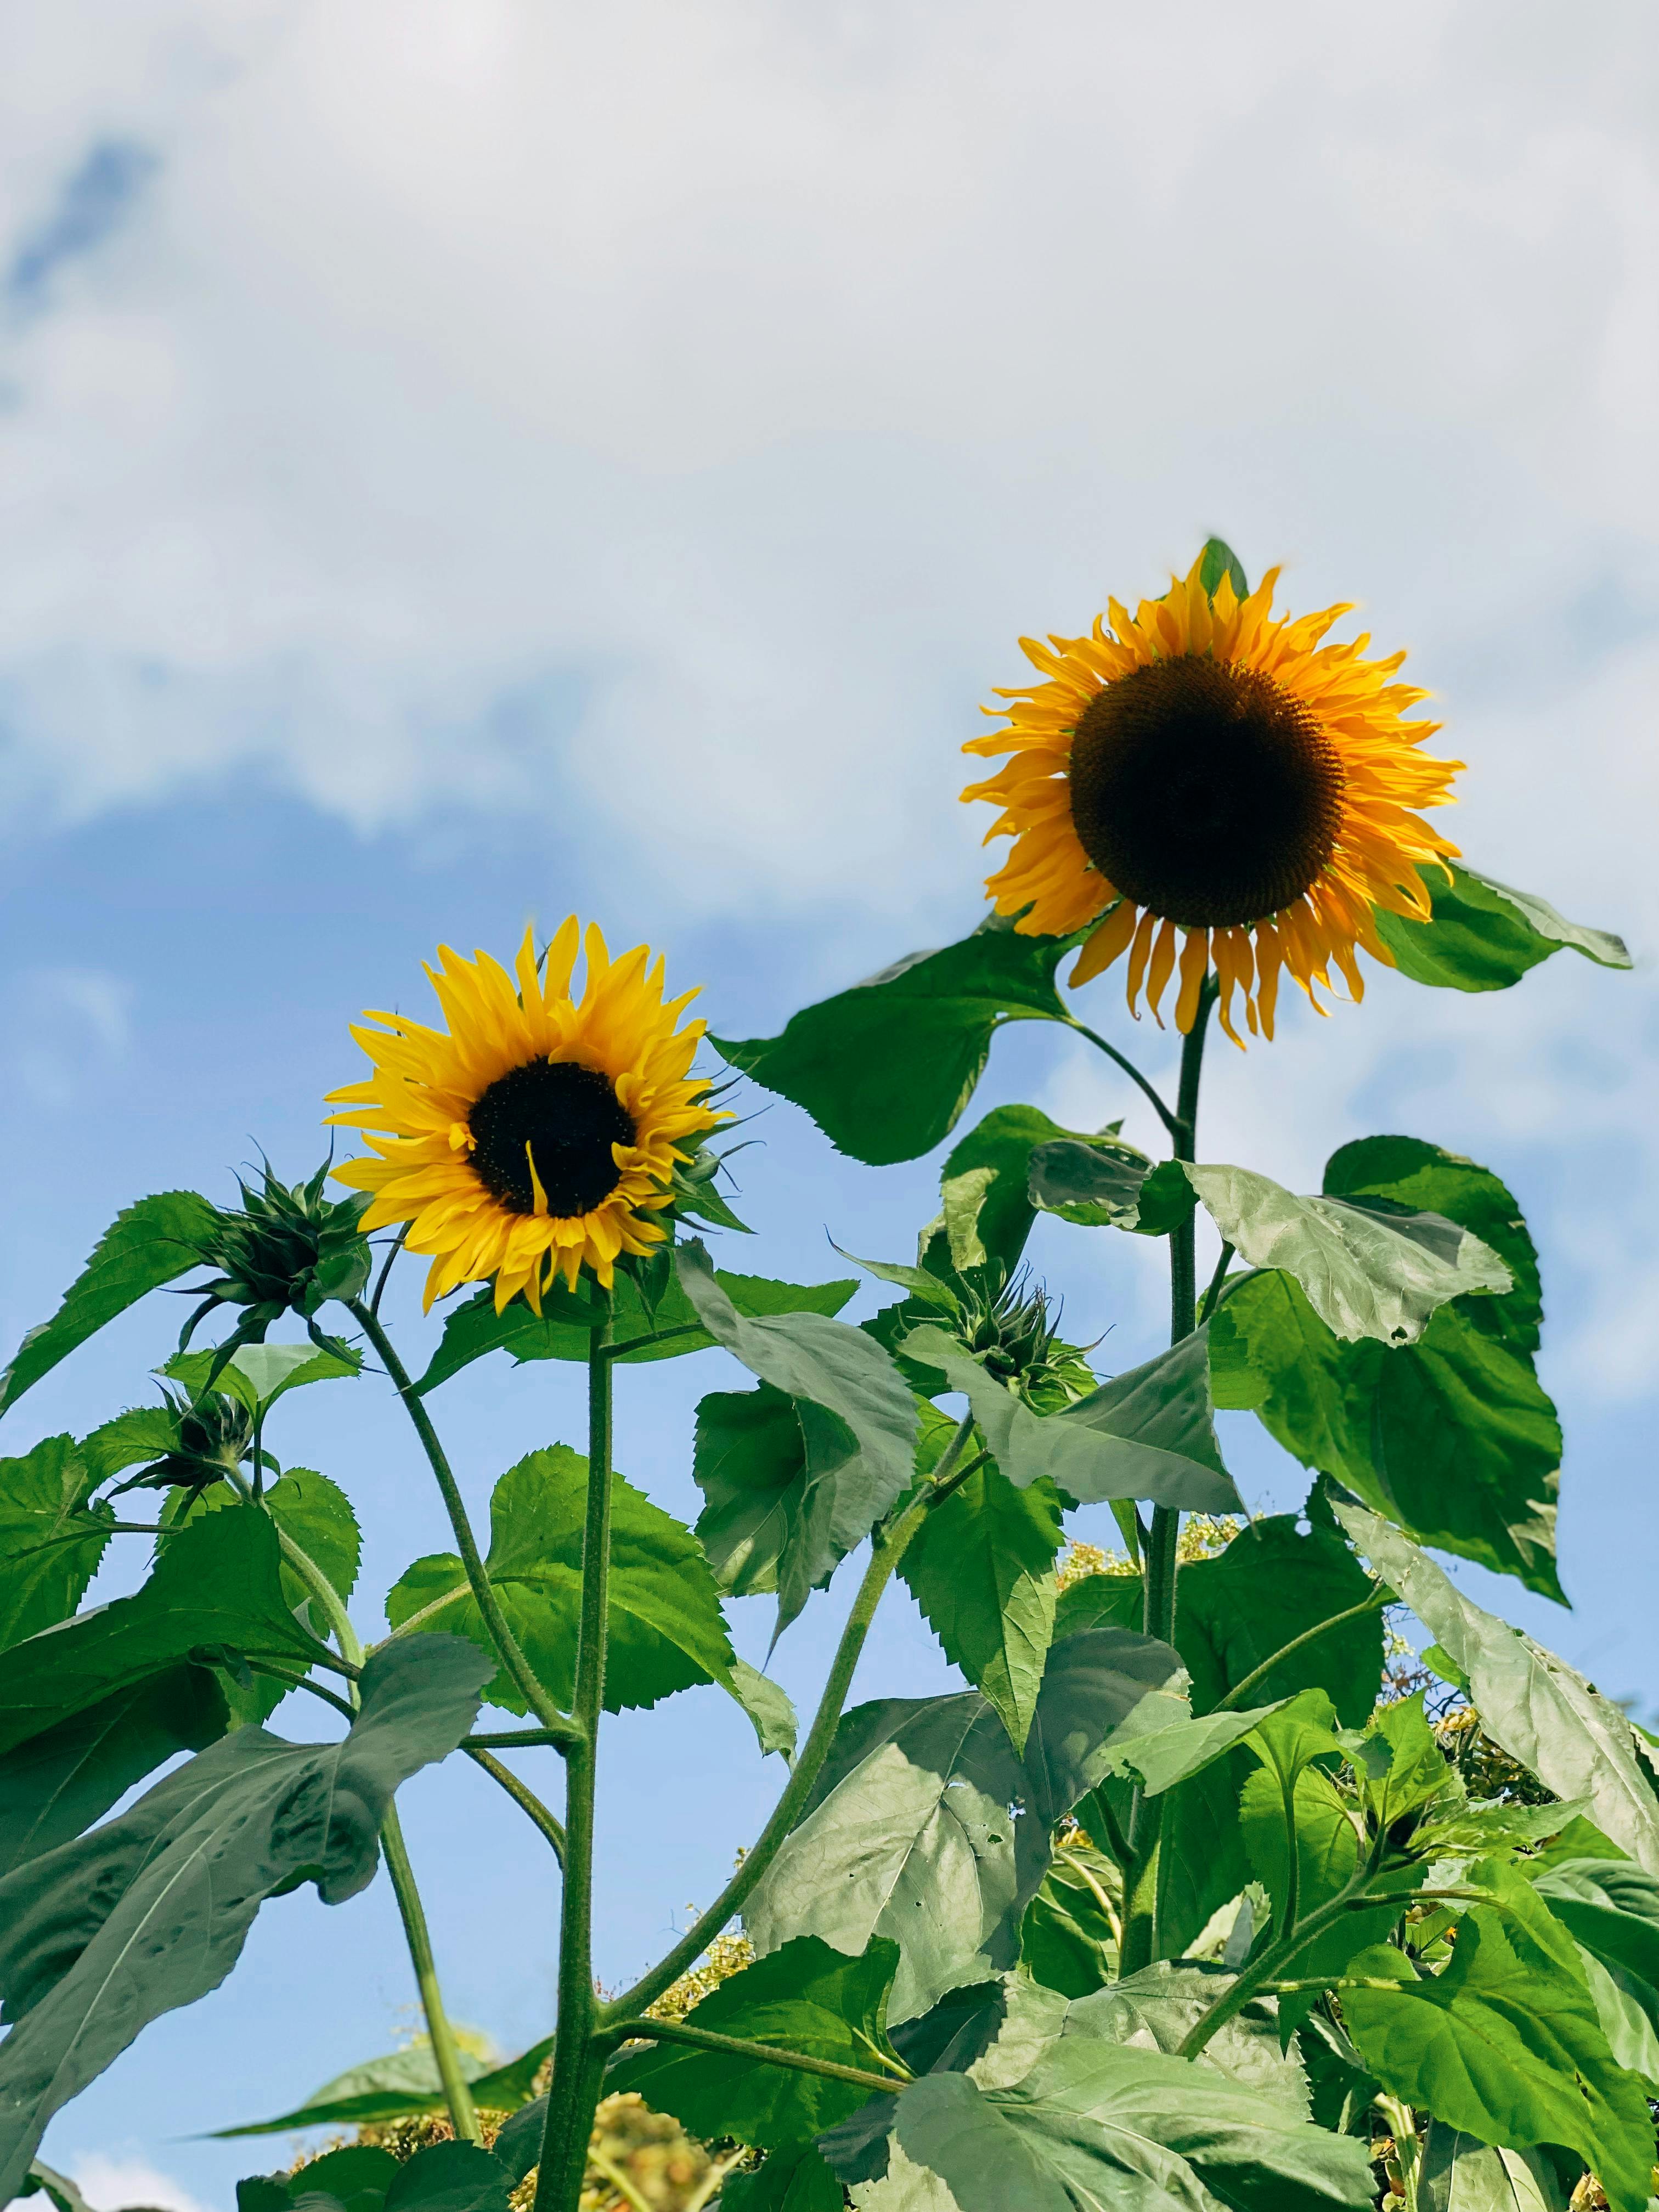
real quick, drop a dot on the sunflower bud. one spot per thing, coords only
(1012, 1328)
(286, 1250)
(215, 1435)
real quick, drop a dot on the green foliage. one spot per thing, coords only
(1483, 936)
(51, 1539)
(150, 1243)
(805, 1997)
(666, 1632)
(886, 1068)
(795, 2180)
(259, 1374)
(1462, 2174)
(1504, 2042)
(1070, 1936)
(189, 1865)
(564, 1328)
(1611, 1909)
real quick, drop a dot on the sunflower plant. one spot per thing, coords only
(1184, 1900)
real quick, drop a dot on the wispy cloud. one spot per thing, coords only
(91, 205)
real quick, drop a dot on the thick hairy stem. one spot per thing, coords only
(888, 1550)
(501, 1635)
(578, 2060)
(463, 2115)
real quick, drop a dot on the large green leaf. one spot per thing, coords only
(150, 1243)
(981, 1568)
(1483, 936)
(1146, 1434)
(1450, 1437)
(803, 1997)
(150, 1912)
(1611, 1908)
(51, 1541)
(1271, 1585)
(1101, 1183)
(1000, 1148)
(257, 1375)
(1163, 2002)
(1462, 2174)
(1365, 1273)
(564, 1327)
(1532, 1704)
(314, 1514)
(665, 1628)
(886, 1068)
(216, 1584)
(794, 2179)
(57, 1784)
(909, 1831)
(449, 2177)
(1097, 2122)
(1505, 2043)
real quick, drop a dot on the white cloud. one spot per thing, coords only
(125, 2180)
(64, 1026)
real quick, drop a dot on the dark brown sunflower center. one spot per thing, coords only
(1205, 791)
(568, 1117)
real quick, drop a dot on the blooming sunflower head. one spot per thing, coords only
(1206, 779)
(538, 1133)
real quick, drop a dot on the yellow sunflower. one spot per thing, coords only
(537, 1133)
(1203, 770)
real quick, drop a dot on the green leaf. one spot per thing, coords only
(1006, 1147)
(1462, 2174)
(150, 1243)
(803, 1997)
(981, 1568)
(1218, 560)
(1163, 2002)
(564, 1328)
(796, 1474)
(666, 1631)
(1096, 2122)
(769, 1707)
(908, 1831)
(57, 1784)
(397, 2087)
(794, 2179)
(56, 2187)
(1164, 1757)
(1107, 1184)
(1504, 2043)
(257, 1375)
(449, 2177)
(216, 1584)
(1483, 936)
(355, 2179)
(150, 1912)
(50, 1542)
(1366, 1274)
(1146, 1434)
(1531, 1703)
(1611, 1909)
(143, 1432)
(1068, 1939)
(886, 1068)
(1450, 1437)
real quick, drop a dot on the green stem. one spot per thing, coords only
(483, 1589)
(523, 1796)
(1164, 1538)
(656, 1336)
(578, 2059)
(463, 2115)
(1129, 1068)
(1235, 1698)
(885, 1554)
(764, 2054)
(1212, 1296)
(1408, 2146)
(1354, 1896)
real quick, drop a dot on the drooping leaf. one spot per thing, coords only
(1483, 936)
(1462, 2174)
(564, 1328)
(1098, 2123)
(56, 1784)
(1365, 1273)
(666, 1631)
(1611, 1909)
(216, 1585)
(150, 1243)
(1111, 1186)
(770, 1706)
(150, 1912)
(803, 1996)
(1450, 1437)
(50, 1539)
(794, 2179)
(1531, 1703)
(1146, 1434)
(909, 1831)
(1504, 2042)
(886, 1068)
(981, 1568)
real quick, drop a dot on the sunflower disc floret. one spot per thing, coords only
(537, 1133)
(1202, 781)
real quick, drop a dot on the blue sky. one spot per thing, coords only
(471, 462)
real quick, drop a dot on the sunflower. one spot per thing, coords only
(1202, 770)
(537, 1133)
